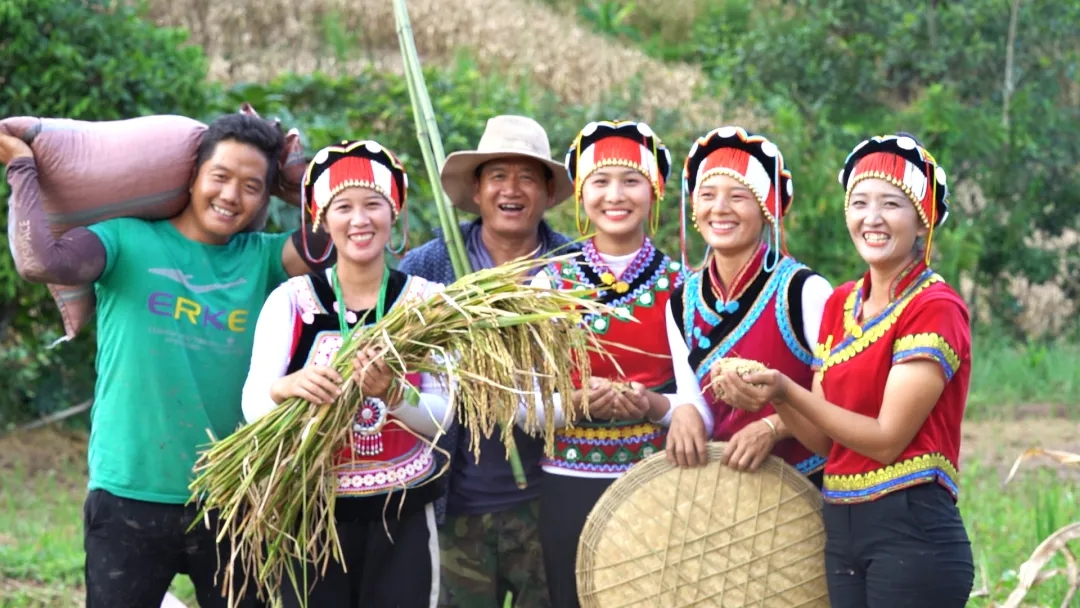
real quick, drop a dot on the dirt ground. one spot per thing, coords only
(991, 443)
(999, 443)
(43, 449)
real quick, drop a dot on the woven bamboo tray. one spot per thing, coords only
(666, 537)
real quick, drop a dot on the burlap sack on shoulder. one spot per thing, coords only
(90, 172)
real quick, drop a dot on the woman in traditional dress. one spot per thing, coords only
(750, 300)
(893, 366)
(384, 512)
(619, 171)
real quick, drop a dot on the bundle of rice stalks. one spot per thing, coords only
(494, 337)
(1032, 572)
(740, 366)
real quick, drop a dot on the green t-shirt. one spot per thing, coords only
(176, 320)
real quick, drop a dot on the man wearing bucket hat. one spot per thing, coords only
(489, 536)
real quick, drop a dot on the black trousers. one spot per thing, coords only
(906, 549)
(135, 548)
(565, 503)
(396, 571)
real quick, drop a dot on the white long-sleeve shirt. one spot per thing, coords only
(271, 355)
(816, 291)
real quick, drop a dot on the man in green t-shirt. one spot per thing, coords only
(177, 303)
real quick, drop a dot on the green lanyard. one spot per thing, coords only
(379, 305)
(411, 394)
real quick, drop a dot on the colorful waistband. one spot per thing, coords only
(864, 487)
(605, 449)
(373, 478)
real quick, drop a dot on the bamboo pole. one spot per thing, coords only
(432, 163)
(427, 132)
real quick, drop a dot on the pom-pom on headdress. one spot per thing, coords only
(618, 144)
(901, 161)
(355, 164)
(753, 161)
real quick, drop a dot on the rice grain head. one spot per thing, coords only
(732, 364)
(271, 481)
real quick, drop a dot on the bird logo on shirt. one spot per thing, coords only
(178, 275)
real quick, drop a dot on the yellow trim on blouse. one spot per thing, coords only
(864, 487)
(619, 432)
(927, 346)
(864, 335)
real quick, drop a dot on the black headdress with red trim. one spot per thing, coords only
(752, 160)
(355, 164)
(901, 161)
(620, 143)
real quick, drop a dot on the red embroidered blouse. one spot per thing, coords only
(926, 319)
(639, 297)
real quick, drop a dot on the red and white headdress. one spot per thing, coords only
(619, 144)
(358, 164)
(901, 161)
(753, 161)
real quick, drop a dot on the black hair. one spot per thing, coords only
(243, 128)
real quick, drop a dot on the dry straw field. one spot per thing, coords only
(521, 39)
(524, 40)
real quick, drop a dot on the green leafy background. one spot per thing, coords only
(825, 73)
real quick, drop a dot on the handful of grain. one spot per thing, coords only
(742, 367)
(497, 338)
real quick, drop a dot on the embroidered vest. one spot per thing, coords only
(766, 325)
(373, 464)
(639, 297)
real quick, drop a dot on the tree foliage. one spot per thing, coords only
(90, 61)
(828, 73)
(990, 87)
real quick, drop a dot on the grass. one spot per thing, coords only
(1014, 392)
(1004, 377)
(41, 555)
(1006, 524)
(41, 558)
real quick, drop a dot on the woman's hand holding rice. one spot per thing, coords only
(752, 391)
(373, 375)
(317, 384)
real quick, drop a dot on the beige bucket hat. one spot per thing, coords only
(504, 136)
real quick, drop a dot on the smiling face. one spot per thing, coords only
(883, 224)
(512, 195)
(228, 191)
(359, 220)
(617, 200)
(728, 215)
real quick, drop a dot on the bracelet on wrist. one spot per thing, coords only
(772, 427)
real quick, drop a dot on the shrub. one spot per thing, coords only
(90, 61)
(375, 105)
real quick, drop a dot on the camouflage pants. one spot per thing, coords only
(484, 557)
